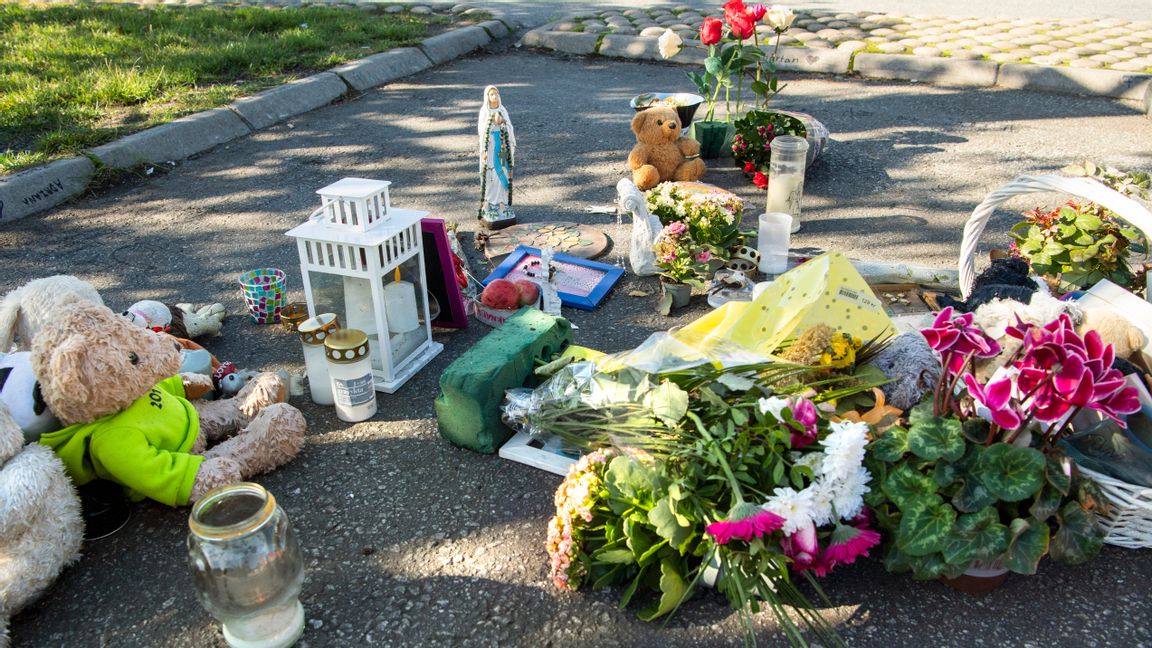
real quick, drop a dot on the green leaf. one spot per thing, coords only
(1027, 545)
(923, 529)
(626, 597)
(739, 416)
(1058, 472)
(905, 486)
(615, 556)
(701, 83)
(934, 437)
(1087, 221)
(673, 590)
(1046, 504)
(631, 482)
(667, 402)
(1078, 537)
(778, 473)
(714, 65)
(972, 495)
(944, 474)
(760, 88)
(976, 536)
(735, 382)
(1012, 473)
(891, 445)
(664, 519)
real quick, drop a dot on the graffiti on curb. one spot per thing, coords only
(54, 187)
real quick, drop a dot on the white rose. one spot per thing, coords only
(779, 18)
(670, 44)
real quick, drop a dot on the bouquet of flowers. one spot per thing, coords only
(752, 143)
(678, 256)
(978, 476)
(733, 475)
(713, 218)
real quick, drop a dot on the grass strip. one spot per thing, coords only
(77, 76)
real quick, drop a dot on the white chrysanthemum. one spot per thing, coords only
(812, 460)
(849, 498)
(773, 405)
(794, 507)
(822, 494)
(844, 449)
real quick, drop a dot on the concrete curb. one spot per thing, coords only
(809, 59)
(1069, 80)
(44, 187)
(384, 67)
(445, 47)
(173, 141)
(275, 105)
(577, 43)
(945, 72)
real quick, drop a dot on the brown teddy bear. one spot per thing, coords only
(661, 154)
(114, 386)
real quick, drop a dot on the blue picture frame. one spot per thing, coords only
(583, 286)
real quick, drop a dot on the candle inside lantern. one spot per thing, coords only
(400, 305)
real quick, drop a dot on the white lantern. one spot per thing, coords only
(364, 261)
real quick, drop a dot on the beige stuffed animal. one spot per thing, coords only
(1114, 329)
(40, 523)
(114, 386)
(25, 310)
(661, 154)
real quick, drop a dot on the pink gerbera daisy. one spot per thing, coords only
(849, 543)
(745, 522)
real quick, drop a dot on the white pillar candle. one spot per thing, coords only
(772, 242)
(400, 307)
(358, 309)
(784, 194)
(350, 368)
(313, 332)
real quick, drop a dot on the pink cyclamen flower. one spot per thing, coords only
(1061, 370)
(956, 338)
(745, 522)
(997, 397)
(704, 257)
(804, 414)
(676, 228)
(849, 543)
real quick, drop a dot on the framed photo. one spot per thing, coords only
(551, 455)
(440, 275)
(581, 283)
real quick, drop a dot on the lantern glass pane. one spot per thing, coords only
(405, 303)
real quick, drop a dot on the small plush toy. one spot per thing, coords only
(661, 154)
(24, 310)
(1114, 329)
(182, 320)
(40, 523)
(114, 386)
(20, 392)
(1006, 278)
(912, 367)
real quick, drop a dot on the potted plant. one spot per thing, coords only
(682, 265)
(712, 216)
(976, 482)
(1078, 244)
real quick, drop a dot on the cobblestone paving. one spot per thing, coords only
(1108, 44)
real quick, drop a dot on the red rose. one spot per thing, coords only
(760, 180)
(739, 19)
(711, 31)
(749, 167)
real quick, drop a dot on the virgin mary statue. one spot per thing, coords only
(497, 154)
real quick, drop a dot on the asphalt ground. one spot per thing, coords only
(412, 542)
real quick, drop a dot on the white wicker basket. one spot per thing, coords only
(1086, 188)
(1130, 522)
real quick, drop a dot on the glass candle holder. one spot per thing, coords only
(313, 332)
(786, 176)
(772, 242)
(246, 566)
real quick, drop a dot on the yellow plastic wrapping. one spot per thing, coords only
(825, 290)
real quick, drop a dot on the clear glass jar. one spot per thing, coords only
(246, 566)
(786, 176)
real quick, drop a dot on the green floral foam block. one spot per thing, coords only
(472, 388)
